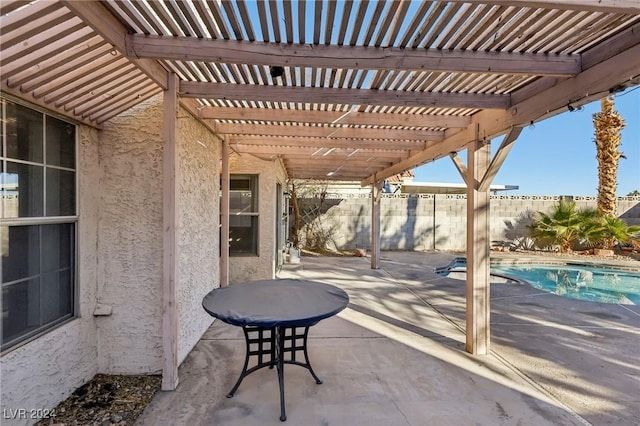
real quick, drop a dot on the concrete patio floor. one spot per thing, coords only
(396, 356)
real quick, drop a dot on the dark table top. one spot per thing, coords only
(275, 303)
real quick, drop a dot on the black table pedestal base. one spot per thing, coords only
(275, 346)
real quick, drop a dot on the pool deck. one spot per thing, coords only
(396, 356)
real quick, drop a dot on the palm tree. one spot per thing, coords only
(608, 123)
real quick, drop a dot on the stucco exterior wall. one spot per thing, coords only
(130, 242)
(428, 222)
(120, 255)
(33, 375)
(198, 228)
(263, 266)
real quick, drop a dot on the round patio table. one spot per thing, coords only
(275, 316)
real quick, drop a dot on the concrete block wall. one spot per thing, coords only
(428, 222)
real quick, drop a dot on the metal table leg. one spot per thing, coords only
(275, 347)
(264, 338)
(280, 335)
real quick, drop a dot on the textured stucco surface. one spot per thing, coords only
(198, 228)
(244, 268)
(45, 371)
(120, 255)
(131, 241)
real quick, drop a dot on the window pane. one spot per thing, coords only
(55, 295)
(240, 201)
(243, 196)
(61, 142)
(243, 234)
(24, 133)
(38, 278)
(21, 256)
(61, 192)
(8, 193)
(240, 183)
(38, 259)
(29, 190)
(20, 309)
(56, 246)
(4, 119)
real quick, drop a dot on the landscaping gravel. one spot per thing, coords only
(106, 400)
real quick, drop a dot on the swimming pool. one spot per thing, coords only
(577, 281)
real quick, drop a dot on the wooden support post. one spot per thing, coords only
(376, 190)
(478, 309)
(170, 254)
(224, 215)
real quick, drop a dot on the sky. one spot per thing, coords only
(557, 156)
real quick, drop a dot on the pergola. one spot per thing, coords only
(335, 90)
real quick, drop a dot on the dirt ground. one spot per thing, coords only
(106, 400)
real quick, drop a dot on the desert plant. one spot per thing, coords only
(308, 198)
(563, 227)
(566, 227)
(607, 232)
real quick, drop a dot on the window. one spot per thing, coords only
(37, 222)
(243, 215)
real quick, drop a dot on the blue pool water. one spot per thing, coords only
(578, 282)
(582, 282)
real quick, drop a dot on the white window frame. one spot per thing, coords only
(254, 182)
(5, 223)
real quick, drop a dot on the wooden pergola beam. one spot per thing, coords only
(344, 173)
(341, 117)
(452, 143)
(460, 166)
(348, 57)
(631, 7)
(325, 131)
(498, 159)
(594, 83)
(254, 92)
(320, 153)
(333, 142)
(339, 175)
(322, 163)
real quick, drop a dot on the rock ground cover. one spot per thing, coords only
(106, 400)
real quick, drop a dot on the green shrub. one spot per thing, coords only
(566, 228)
